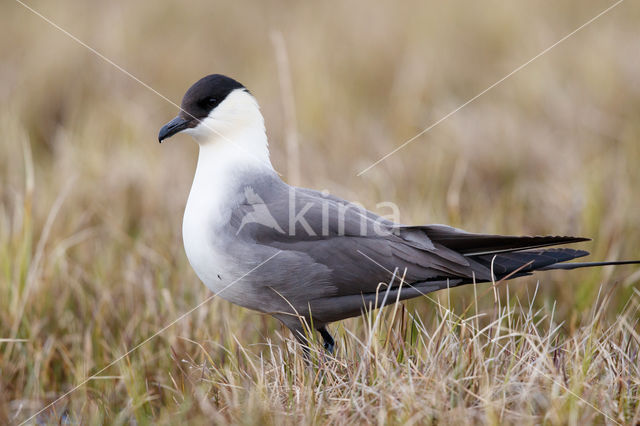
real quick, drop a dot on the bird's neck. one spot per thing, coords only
(222, 169)
(241, 149)
(224, 165)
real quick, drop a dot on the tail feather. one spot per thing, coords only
(576, 265)
(525, 262)
(522, 263)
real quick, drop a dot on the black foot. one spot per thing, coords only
(329, 343)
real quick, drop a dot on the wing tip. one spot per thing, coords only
(576, 239)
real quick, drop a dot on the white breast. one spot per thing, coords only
(216, 190)
(208, 210)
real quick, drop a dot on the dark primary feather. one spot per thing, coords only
(471, 244)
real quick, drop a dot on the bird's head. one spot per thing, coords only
(215, 107)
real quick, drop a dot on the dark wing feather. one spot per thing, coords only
(471, 244)
(360, 248)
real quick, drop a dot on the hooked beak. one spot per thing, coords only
(176, 125)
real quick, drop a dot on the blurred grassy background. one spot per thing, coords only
(91, 206)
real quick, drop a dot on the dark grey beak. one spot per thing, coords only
(176, 125)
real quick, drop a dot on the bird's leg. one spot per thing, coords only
(329, 343)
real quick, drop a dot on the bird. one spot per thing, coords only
(309, 258)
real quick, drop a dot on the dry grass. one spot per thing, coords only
(91, 258)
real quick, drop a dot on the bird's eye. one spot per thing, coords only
(212, 101)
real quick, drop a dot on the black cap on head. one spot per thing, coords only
(206, 94)
(199, 101)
